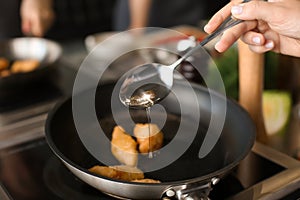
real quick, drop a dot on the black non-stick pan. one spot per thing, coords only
(189, 175)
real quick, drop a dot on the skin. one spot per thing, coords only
(37, 16)
(269, 26)
(139, 11)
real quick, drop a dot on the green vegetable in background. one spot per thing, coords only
(227, 64)
(276, 110)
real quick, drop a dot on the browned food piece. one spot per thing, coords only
(129, 173)
(120, 172)
(23, 66)
(146, 180)
(148, 144)
(124, 147)
(4, 63)
(4, 73)
(151, 144)
(104, 171)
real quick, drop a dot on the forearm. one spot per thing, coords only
(139, 12)
(37, 16)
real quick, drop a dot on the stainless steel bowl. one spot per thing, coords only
(45, 51)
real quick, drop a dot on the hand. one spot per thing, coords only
(37, 16)
(272, 25)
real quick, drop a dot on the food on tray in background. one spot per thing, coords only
(4, 63)
(5, 73)
(276, 110)
(124, 147)
(23, 66)
(8, 67)
(149, 137)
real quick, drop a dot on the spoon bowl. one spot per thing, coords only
(146, 85)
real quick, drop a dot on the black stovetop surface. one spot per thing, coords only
(32, 172)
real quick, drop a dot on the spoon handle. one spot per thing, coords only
(226, 24)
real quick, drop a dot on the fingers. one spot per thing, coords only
(37, 28)
(255, 10)
(37, 16)
(253, 38)
(26, 26)
(232, 35)
(37, 25)
(32, 26)
(262, 41)
(257, 42)
(262, 48)
(218, 18)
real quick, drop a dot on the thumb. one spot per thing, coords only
(255, 10)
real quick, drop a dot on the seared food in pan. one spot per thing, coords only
(125, 149)
(149, 137)
(146, 180)
(120, 172)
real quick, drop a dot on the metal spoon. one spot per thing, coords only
(145, 85)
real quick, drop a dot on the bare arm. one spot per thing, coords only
(272, 25)
(139, 11)
(37, 16)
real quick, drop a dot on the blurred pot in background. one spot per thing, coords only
(42, 52)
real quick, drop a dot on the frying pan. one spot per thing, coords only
(46, 51)
(187, 177)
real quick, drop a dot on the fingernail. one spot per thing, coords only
(217, 47)
(256, 40)
(269, 45)
(206, 27)
(237, 10)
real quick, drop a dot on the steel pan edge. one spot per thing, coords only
(138, 191)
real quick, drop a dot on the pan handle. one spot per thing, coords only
(190, 191)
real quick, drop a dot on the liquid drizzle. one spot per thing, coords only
(150, 153)
(145, 96)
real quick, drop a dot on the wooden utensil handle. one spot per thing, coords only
(251, 77)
